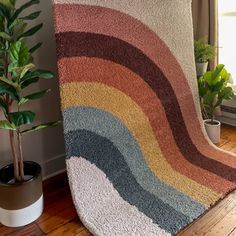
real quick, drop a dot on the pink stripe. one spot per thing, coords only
(113, 23)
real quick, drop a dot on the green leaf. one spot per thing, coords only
(8, 4)
(5, 12)
(34, 48)
(224, 75)
(5, 124)
(32, 16)
(9, 82)
(208, 77)
(31, 31)
(33, 96)
(25, 6)
(209, 98)
(8, 89)
(15, 23)
(219, 101)
(25, 69)
(202, 88)
(3, 105)
(22, 117)
(5, 36)
(2, 21)
(44, 74)
(28, 82)
(226, 94)
(34, 76)
(42, 126)
(19, 54)
(19, 29)
(37, 95)
(218, 86)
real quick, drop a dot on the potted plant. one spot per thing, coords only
(21, 198)
(203, 53)
(213, 90)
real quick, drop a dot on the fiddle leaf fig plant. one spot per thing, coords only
(213, 89)
(18, 72)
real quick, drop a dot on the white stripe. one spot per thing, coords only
(100, 206)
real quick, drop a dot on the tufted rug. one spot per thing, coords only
(138, 159)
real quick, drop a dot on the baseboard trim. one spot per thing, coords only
(53, 166)
(54, 174)
(227, 120)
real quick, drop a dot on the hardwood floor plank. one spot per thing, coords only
(225, 225)
(6, 230)
(72, 228)
(212, 217)
(57, 220)
(233, 233)
(231, 146)
(85, 233)
(56, 207)
(29, 230)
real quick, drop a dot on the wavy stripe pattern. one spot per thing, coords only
(130, 119)
(93, 69)
(106, 125)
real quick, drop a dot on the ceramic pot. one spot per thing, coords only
(213, 130)
(201, 68)
(21, 203)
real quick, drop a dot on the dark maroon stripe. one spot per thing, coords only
(79, 44)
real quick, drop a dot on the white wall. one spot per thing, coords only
(46, 146)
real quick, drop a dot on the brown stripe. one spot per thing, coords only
(95, 45)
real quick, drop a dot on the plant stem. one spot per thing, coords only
(11, 132)
(212, 115)
(14, 156)
(21, 161)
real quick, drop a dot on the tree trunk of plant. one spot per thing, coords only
(21, 161)
(14, 156)
(212, 116)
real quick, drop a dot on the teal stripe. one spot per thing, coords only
(106, 125)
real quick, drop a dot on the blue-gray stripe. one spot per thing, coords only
(107, 125)
(101, 152)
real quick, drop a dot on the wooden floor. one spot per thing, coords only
(60, 218)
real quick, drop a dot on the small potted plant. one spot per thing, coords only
(203, 53)
(213, 89)
(21, 198)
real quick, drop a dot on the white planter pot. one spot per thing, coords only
(21, 203)
(201, 68)
(22, 217)
(213, 130)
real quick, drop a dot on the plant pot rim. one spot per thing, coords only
(203, 62)
(209, 124)
(36, 174)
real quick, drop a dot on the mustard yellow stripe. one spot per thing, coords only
(122, 106)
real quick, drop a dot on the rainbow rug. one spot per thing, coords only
(139, 162)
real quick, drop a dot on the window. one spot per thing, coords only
(227, 35)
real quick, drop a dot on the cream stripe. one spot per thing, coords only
(122, 106)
